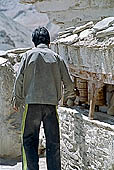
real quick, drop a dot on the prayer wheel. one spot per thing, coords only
(82, 86)
(101, 97)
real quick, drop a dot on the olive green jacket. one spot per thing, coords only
(39, 78)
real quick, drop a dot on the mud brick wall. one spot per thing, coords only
(85, 144)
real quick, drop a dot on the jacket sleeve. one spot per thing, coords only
(69, 87)
(18, 99)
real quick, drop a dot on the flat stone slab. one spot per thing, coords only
(105, 23)
(83, 27)
(108, 31)
(69, 40)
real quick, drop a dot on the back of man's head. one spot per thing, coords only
(40, 36)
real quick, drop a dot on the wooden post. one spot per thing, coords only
(94, 89)
(93, 95)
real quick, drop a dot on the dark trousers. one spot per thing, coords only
(32, 117)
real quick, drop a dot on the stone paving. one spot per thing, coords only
(18, 166)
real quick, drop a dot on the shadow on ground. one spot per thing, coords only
(10, 162)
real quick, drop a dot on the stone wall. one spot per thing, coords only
(88, 49)
(10, 121)
(86, 144)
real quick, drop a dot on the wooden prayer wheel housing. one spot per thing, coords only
(85, 91)
(82, 86)
(100, 97)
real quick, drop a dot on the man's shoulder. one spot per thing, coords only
(42, 51)
(52, 52)
(32, 51)
(55, 54)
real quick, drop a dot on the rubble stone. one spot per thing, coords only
(86, 144)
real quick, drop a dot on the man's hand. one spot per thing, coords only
(14, 104)
(16, 108)
(77, 91)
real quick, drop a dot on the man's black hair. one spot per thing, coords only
(40, 36)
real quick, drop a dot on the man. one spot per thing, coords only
(38, 85)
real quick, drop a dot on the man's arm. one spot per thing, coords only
(18, 85)
(69, 87)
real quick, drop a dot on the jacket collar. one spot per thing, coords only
(42, 46)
